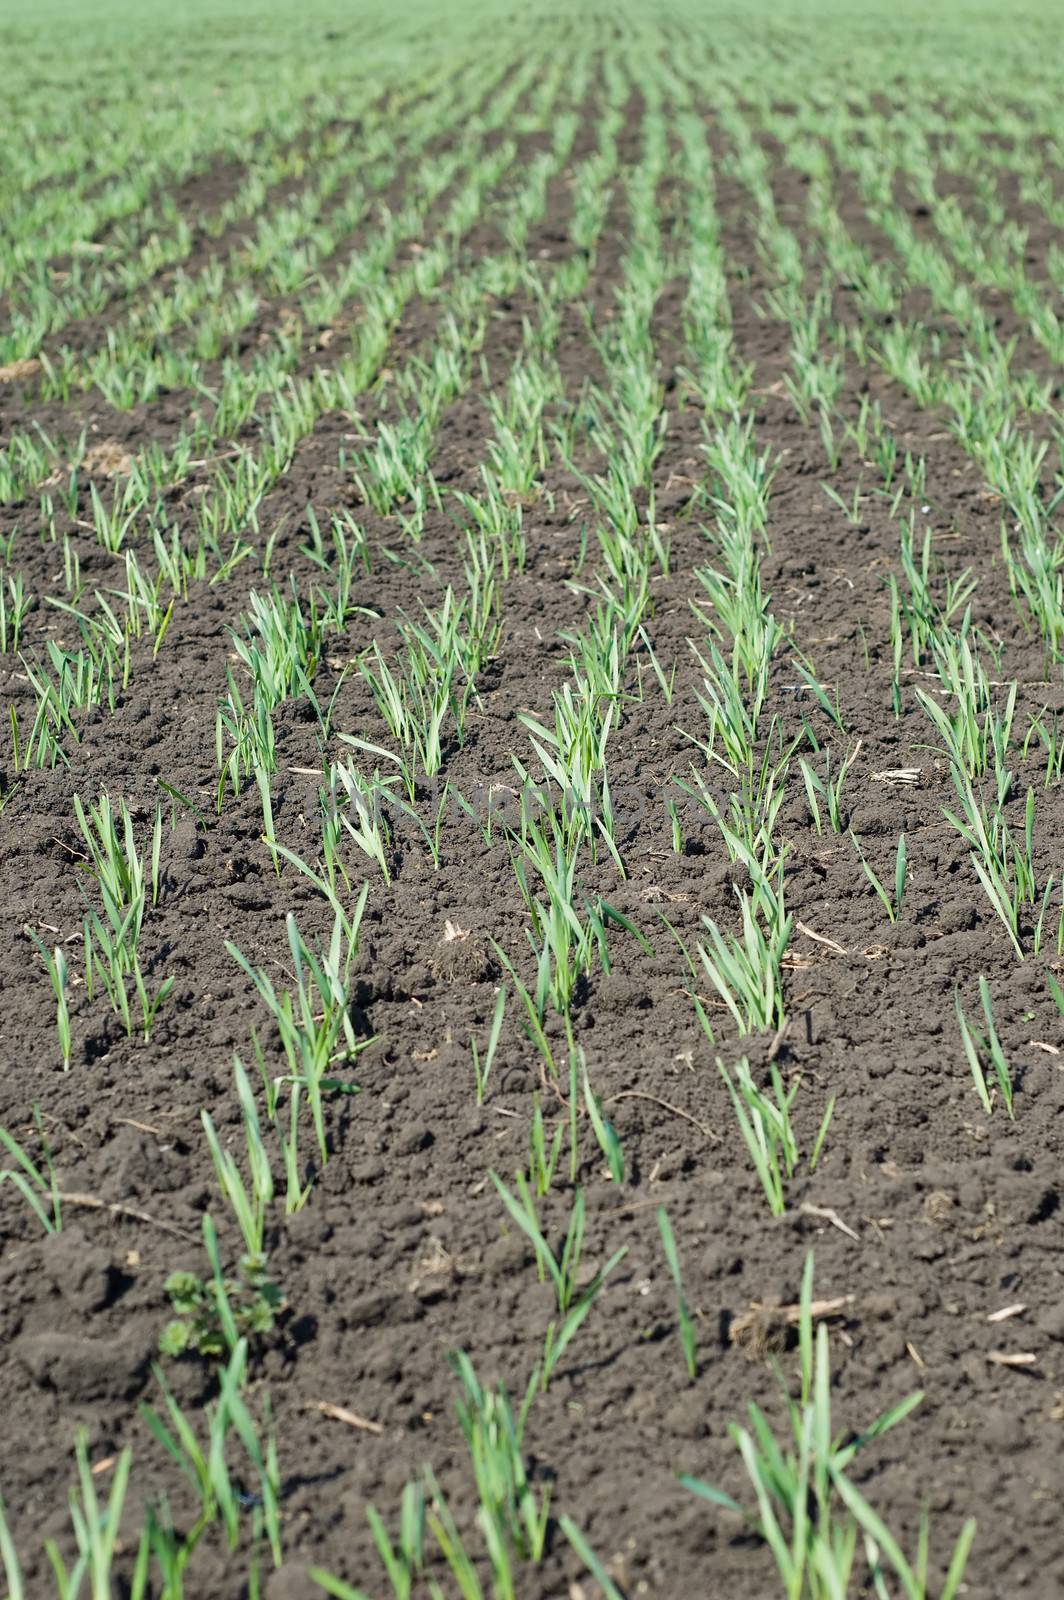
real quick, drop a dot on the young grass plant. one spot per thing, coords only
(38, 1186)
(808, 1511)
(96, 1528)
(59, 973)
(563, 1269)
(765, 1123)
(313, 1022)
(746, 971)
(604, 1131)
(510, 1513)
(248, 1203)
(124, 879)
(543, 1153)
(362, 818)
(688, 1337)
(563, 943)
(892, 906)
(1004, 861)
(482, 1065)
(827, 789)
(573, 755)
(206, 1466)
(986, 1046)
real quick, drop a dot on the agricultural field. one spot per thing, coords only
(531, 755)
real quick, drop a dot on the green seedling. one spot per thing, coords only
(39, 1189)
(206, 1468)
(250, 1203)
(688, 1338)
(901, 863)
(605, 1133)
(543, 1153)
(746, 972)
(313, 1022)
(765, 1123)
(827, 788)
(482, 1065)
(59, 973)
(563, 1270)
(509, 1505)
(978, 1047)
(96, 1528)
(809, 1512)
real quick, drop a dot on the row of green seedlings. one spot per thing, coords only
(95, 674)
(626, 421)
(423, 109)
(92, 675)
(976, 737)
(423, 693)
(43, 459)
(979, 397)
(152, 234)
(165, 307)
(513, 1521)
(746, 973)
(289, 251)
(138, 363)
(976, 729)
(983, 400)
(971, 733)
(280, 649)
(241, 391)
(569, 805)
(271, 128)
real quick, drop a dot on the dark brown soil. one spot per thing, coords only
(926, 1215)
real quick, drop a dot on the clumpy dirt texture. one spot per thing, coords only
(935, 1228)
